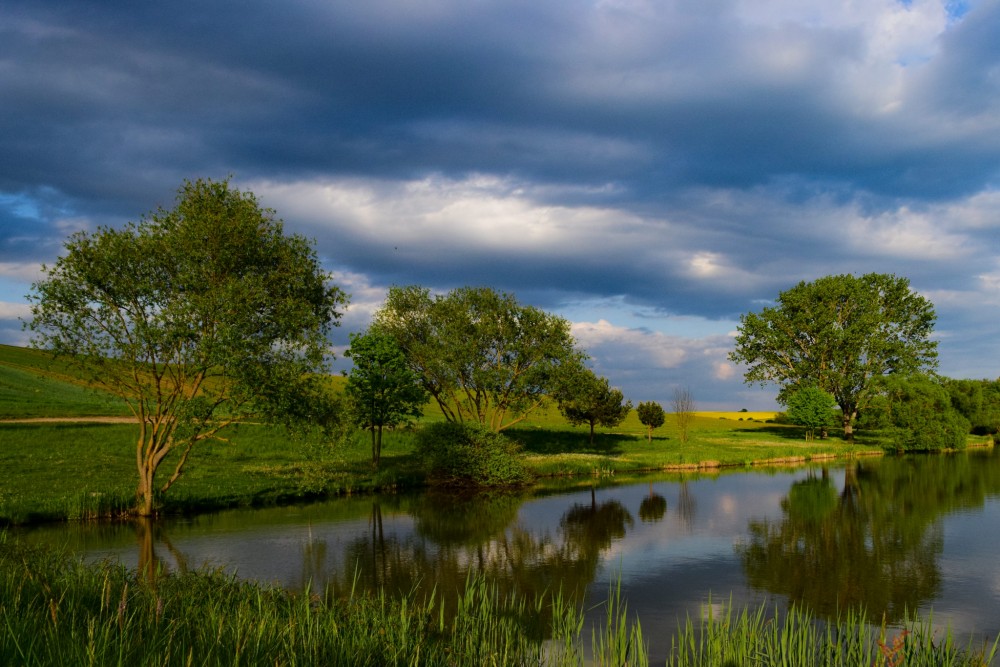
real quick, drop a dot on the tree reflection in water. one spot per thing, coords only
(687, 506)
(148, 533)
(653, 507)
(875, 544)
(456, 537)
(870, 536)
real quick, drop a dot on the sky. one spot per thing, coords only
(648, 170)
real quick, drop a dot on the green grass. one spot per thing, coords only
(82, 471)
(757, 637)
(78, 471)
(33, 384)
(559, 449)
(57, 611)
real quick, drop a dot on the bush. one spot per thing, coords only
(467, 454)
(918, 414)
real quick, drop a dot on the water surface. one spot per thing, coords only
(917, 533)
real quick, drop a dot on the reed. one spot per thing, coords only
(755, 637)
(59, 611)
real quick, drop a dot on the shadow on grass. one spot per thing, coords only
(563, 442)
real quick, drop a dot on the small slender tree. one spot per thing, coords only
(683, 405)
(651, 416)
(812, 408)
(383, 390)
(585, 398)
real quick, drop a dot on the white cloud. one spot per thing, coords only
(906, 234)
(631, 347)
(366, 298)
(724, 370)
(474, 212)
(27, 272)
(649, 364)
(13, 311)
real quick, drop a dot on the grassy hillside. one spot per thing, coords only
(34, 384)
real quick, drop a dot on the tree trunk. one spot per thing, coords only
(848, 413)
(591, 432)
(144, 493)
(849, 427)
(649, 433)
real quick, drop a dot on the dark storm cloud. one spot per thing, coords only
(675, 159)
(396, 88)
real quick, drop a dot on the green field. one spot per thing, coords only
(33, 384)
(73, 470)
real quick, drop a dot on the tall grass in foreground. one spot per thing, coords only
(753, 637)
(58, 611)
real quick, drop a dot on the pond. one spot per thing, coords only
(916, 533)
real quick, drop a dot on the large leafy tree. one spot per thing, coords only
(586, 398)
(382, 388)
(840, 333)
(198, 317)
(480, 354)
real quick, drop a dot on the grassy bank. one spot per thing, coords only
(57, 471)
(57, 611)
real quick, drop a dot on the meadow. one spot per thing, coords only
(56, 466)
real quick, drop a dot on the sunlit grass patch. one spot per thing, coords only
(737, 415)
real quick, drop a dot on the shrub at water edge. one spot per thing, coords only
(469, 454)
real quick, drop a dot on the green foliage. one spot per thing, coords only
(196, 317)
(382, 388)
(585, 398)
(840, 333)
(917, 410)
(480, 354)
(978, 401)
(651, 415)
(810, 500)
(810, 407)
(469, 454)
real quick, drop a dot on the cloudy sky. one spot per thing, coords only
(647, 169)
